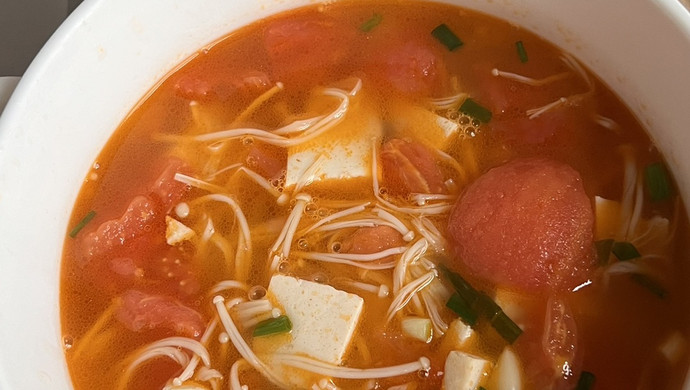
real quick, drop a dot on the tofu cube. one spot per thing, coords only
(460, 334)
(176, 232)
(463, 371)
(323, 319)
(344, 151)
(435, 131)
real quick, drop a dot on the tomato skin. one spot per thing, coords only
(139, 311)
(410, 167)
(413, 67)
(220, 85)
(510, 101)
(267, 160)
(526, 225)
(371, 240)
(304, 49)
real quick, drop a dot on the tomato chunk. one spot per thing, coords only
(414, 67)
(142, 225)
(139, 311)
(267, 160)
(510, 101)
(527, 224)
(220, 84)
(409, 167)
(307, 48)
(371, 240)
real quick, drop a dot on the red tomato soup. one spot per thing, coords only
(378, 196)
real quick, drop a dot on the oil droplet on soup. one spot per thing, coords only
(365, 195)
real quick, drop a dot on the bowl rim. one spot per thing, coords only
(34, 213)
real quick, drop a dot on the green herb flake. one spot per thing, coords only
(370, 24)
(466, 291)
(462, 308)
(625, 251)
(272, 326)
(657, 181)
(84, 221)
(522, 53)
(447, 37)
(586, 381)
(604, 250)
(469, 304)
(506, 327)
(475, 110)
(650, 284)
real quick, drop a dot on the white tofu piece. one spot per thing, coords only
(323, 319)
(345, 150)
(507, 374)
(514, 305)
(419, 123)
(460, 333)
(176, 232)
(463, 371)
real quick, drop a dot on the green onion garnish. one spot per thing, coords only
(481, 388)
(522, 53)
(586, 381)
(625, 251)
(271, 326)
(468, 304)
(462, 308)
(604, 250)
(87, 218)
(657, 181)
(466, 291)
(475, 110)
(369, 25)
(506, 327)
(650, 284)
(446, 37)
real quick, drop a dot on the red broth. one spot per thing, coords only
(280, 123)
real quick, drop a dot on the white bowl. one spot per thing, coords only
(109, 53)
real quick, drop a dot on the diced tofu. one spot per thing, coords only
(176, 232)
(344, 151)
(459, 333)
(513, 305)
(323, 319)
(464, 371)
(419, 123)
(507, 375)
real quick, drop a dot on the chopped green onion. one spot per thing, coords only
(446, 37)
(462, 308)
(271, 326)
(625, 251)
(369, 25)
(657, 181)
(475, 110)
(481, 388)
(506, 327)
(84, 221)
(604, 250)
(486, 306)
(468, 303)
(522, 53)
(650, 284)
(466, 291)
(586, 381)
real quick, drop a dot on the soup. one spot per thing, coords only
(389, 195)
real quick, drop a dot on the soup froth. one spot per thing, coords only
(369, 195)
